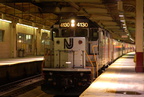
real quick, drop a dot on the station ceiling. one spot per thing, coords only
(117, 16)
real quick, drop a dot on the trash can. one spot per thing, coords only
(21, 53)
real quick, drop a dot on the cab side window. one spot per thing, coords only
(93, 35)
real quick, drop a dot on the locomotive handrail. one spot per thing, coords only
(89, 58)
(94, 46)
(48, 53)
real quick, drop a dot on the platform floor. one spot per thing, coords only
(119, 80)
(11, 61)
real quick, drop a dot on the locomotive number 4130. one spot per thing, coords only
(82, 24)
(78, 24)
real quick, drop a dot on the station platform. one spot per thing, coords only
(11, 61)
(119, 80)
(14, 69)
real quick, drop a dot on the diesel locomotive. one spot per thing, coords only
(79, 51)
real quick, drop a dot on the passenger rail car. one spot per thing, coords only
(80, 51)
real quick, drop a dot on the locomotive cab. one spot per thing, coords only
(81, 50)
(73, 40)
(69, 63)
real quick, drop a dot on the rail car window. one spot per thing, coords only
(1, 35)
(81, 32)
(93, 34)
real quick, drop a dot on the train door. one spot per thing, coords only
(106, 50)
(112, 47)
(103, 47)
(100, 47)
(109, 48)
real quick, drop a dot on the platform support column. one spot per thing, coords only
(139, 36)
(13, 39)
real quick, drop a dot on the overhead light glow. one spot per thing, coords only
(123, 24)
(121, 16)
(122, 20)
(27, 25)
(6, 21)
(131, 39)
(45, 30)
(20, 41)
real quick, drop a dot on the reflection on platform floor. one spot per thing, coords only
(119, 80)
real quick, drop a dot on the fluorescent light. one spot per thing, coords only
(121, 16)
(123, 24)
(6, 21)
(131, 39)
(122, 20)
(27, 25)
(45, 30)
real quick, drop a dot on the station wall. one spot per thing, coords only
(5, 45)
(20, 40)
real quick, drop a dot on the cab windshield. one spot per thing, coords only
(74, 32)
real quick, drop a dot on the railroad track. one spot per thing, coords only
(21, 86)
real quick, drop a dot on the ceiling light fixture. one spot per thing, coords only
(27, 25)
(121, 16)
(5, 20)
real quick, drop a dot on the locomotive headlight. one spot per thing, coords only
(72, 23)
